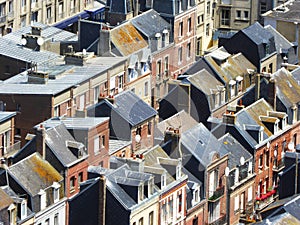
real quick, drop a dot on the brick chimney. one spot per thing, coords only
(229, 118)
(40, 140)
(37, 77)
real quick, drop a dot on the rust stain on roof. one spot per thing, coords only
(127, 39)
(5, 200)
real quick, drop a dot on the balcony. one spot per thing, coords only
(264, 200)
(3, 19)
(220, 220)
(278, 165)
(217, 194)
(12, 149)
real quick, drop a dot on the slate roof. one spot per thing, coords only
(257, 33)
(281, 43)
(291, 12)
(116, 145)
(287, 88)
(63, 77)
(6, 200)
(284, 218)
(39, 174)
(84, 123)
(205, 82)
(48, 33)
(121, 6)
(127, 39)
(202, 144)
(235, 150)
(130, 107)
(181, 120)
(296, 75)
(56, 139)
(232, 65)
(4, 116)
(14, 50)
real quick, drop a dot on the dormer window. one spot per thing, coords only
(12, 214)
(165, 37)
(56, 187)
(276, 128)
(283, 122)
(239, 80)
(23, 209)
(261, 136)
(163, 180)
(294, 114)
(232, 84)
(196, 195)
(141, 192)
(42, 195)
(151, 186)
(178, 171)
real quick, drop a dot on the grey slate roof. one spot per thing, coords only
(281, 43)
(65, 76)
(83, 123)
(14, 50)
(131, 108)
(290, 13)
(257, 33)
(48, 33)
(116, 145)
(181, 120)
(39, 174)
(202, 144)
(56, 138)
(235, 150)
(6, 116)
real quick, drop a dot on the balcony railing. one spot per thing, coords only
(264, 200)
(220, 220)
(12, 148)
(217, 194)
(278, 165)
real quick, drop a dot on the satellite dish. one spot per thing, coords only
(40, 41)
(242, 160)
(227, 171)
(138, 138)
(23, 41)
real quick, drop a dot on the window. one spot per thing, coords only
(163, 180)
(2, 9)
(238, 14)
(10, 6)
(199, 45)
(56, 187)
(42, 195)
(208, 8)
(34, 16)
(6, 137)
(200, 19)
(246, 15)
(189, 50)
(166, 66)
(141, 192)
(103, 141)
(263, 7)
(189, 22)
(179, 203)
(49, 14)
(260, 161)
(250, 194)
(267, 158)
(81, 102)
(120, 82)
(23, 209)
(23, 3)
(207, 29)
(213, 182)
(149, 128)
(158, 68)
(96, 144)
(270, 69)
(47, 222)
(56, 110)
(225, 19)
(236, 203)
(56, 221)
(80, 178)
(96, 93)
(180, 31)
(146, 88)
(18, 108)
(72, 184)
(151, 218)
(179, 55)
(141, 221)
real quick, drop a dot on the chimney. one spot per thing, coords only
(37, 77)
(257, 86)
(36, 31)
(109, 98)
(104, 48)
(272, 93)
(174, 135)
(40, 140)
(75, 59)
(229, 118)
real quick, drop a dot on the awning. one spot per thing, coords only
(67, 22)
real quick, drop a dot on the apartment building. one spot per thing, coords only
(15, 14)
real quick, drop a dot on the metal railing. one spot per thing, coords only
(217, 194)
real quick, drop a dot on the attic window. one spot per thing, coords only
(141, 192)
(163, 180)
(43, 203)
(56, 187)
(23, 209)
